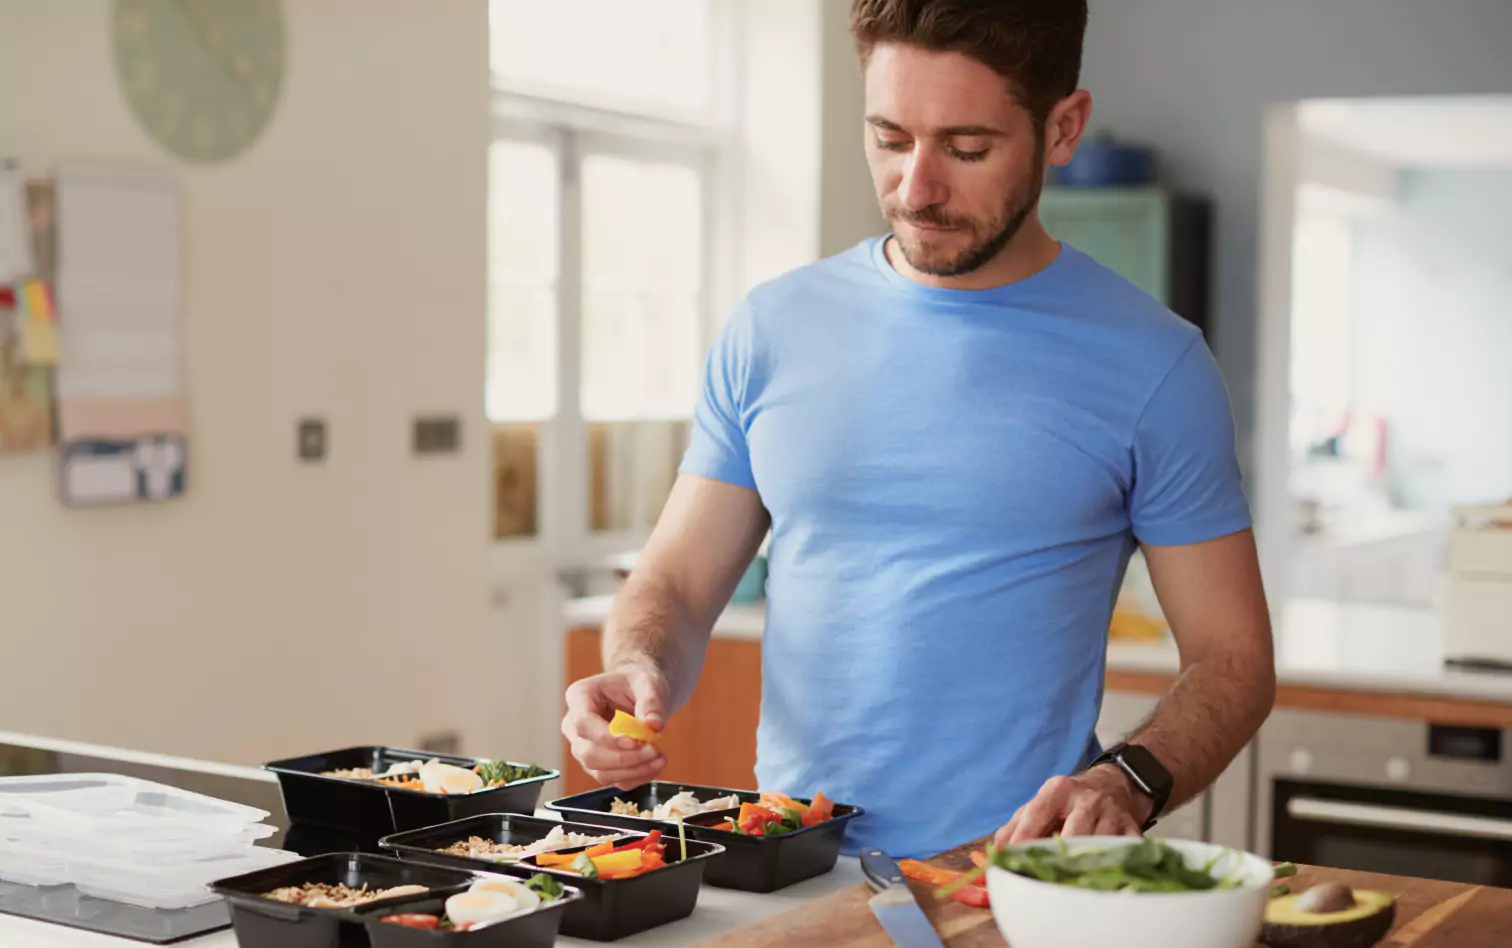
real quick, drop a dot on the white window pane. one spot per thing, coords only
(657, 53)
(642, 262)
(522, 352)
(523, 196)
(641, 355)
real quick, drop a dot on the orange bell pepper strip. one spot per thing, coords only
(978, 858)
(625, 725)
(820, 810)
(555, 859)
(929, 875)
(602, 849)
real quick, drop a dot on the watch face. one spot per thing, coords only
(1149, 770)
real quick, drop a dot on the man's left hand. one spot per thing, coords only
(1096, 802)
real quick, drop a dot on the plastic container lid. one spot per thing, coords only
(111, 806)
(126, 839)
(169, 886)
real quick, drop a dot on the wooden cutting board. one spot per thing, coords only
(1429, 915)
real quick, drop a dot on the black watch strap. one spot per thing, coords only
(1146, 773)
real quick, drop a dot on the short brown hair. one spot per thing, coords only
(1034, 44)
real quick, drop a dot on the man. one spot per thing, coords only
(957, 435)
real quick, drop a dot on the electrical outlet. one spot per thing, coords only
(310, 444)
(438, 434)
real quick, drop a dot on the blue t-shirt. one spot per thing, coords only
(956, 480)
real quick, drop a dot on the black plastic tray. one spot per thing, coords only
(750, 863)
(610, 909)
(371, 808)
(263, 923)
(536, 930)
(422, 845)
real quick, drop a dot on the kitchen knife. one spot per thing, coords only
(894, 905)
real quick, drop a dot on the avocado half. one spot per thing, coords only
(1337, 917)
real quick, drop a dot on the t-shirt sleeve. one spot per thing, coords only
(1187, 485)
(717, 447)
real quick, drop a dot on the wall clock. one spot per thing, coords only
(201, 76)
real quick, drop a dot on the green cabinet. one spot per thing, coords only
(1156, 239)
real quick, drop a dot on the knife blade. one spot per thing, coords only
(894, 904)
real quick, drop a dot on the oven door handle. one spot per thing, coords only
(1398, 818)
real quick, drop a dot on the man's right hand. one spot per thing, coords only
(591, 702)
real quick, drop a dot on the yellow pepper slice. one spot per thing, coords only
(613, 864)
(625, 725)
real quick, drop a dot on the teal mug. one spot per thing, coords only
(752, 587)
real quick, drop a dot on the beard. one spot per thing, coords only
(988, 238)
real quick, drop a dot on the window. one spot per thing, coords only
(1322, 300)
(602, 198)
(641, 57)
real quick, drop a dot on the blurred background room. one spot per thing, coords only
(350, 346)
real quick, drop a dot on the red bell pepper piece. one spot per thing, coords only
(972, 895)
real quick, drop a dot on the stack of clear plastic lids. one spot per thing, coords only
(127, 840)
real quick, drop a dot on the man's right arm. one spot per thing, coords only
(658, 630)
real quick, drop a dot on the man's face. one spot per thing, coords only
(957, 162)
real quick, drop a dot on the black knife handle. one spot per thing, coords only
(881, 870)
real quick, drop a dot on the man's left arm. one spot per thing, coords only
(1212, 597)
(1188, 511)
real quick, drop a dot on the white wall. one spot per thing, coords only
(1432, 331)
(334, 269)
(848, 210)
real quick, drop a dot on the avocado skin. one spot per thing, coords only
(1354, 933)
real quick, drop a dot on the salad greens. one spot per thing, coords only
(1146, 866)
(791, 822)
(496, 772)
(545, 886)
(583, 866)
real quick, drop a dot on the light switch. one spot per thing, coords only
(311, 440)
(438, 434)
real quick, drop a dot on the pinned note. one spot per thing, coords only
(36, 324)
(15, 236)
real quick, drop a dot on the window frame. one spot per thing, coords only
(574, 131)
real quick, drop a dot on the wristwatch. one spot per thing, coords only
(1144, 772)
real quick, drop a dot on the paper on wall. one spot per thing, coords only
(120, 296)
(15, 237)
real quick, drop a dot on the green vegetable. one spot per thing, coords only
(496, 772)
(1146, 866)
(1284, 870)
(545, 886)
(584, 866)
(682, 839)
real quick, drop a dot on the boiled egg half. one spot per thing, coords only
(437, 777)
(490, 901)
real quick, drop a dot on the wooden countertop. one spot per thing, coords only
(1429, 915)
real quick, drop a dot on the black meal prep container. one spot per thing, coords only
(371, 809)
(610, 908)
(750, 863)
(264, 923)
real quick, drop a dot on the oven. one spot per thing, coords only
(1382, 795)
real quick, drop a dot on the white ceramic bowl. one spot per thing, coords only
(1035, 914)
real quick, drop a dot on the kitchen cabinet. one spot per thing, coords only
(1154, 238)
(712, 739)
